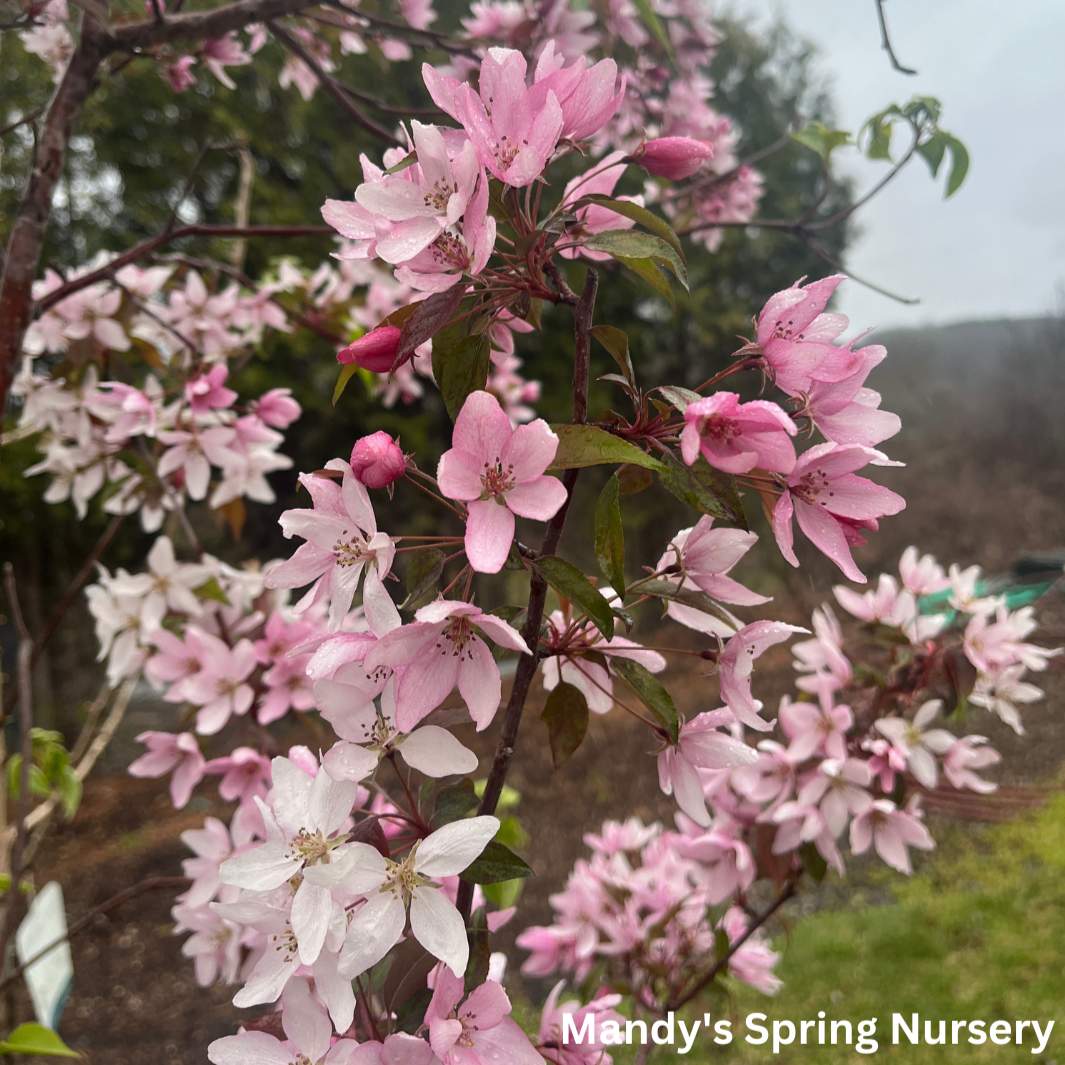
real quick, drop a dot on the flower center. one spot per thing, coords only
(495, 480)
(811, 486)
(352, 551)
(717, 427)
(438, 196)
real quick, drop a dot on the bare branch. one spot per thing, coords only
(146, 247)
(885, 40)
(32, 116)
(333, 87)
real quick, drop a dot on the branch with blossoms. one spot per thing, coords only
(361, 876)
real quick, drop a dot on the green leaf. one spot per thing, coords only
(691, 597)
(959, 164)
(212, 590)
(932, 152)
(423, 573)
(408, 160)
(511, 834)
(587, 445)
(616, 341)
(659, 226)
(818, 138)
(705, 489)
(347, 372)
(573, 585)
(70, 791)
(452, 804)
(633, 479)
(504, 893)
(646, 269)
(610, 536)
(508, 797)
(628, 244)
(462, 370)
(651, 693)
(566, 717)
(679, 397)
(36, 1039)
(650, 20)
(496, 864)
(722, 944)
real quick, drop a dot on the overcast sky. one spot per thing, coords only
(997, 247)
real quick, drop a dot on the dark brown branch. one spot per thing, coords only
(885, 40)
(389, 109)
(709, 976)
(13, 909)
(333, 87)
(530, 631)
(30, 225)
(152, 883)
(63, 605)
(146, 247)
(32, 116)
(402, 31)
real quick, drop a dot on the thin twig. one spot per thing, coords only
(63, 605)
(24, 120)
(12, 911)
(332, 86)
(152, 883)
(885, 40)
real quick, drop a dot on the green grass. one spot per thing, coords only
(978, 933)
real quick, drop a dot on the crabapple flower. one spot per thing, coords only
(168, 752)
(377, 460)
(478, 1031)
(514, 129)
(887, 605)
(673, 158)
(890, 831)
(812, 727)
(921, 574)
(705, 555)
(700, 746)
(392, 887)
(399, 1048)
(918, 743)
(375, 351)
(737, 664)
(826, 667)
(753, 961)
(309, 1037)
(222, 52)
(208, 391)
(302, 829)
(1001, 692)
(964, 757)
(440, 649)
(559, 1051)
(831, 504)
(245, 773)
(220, 689)
(736, 437)
(277, 408)
(499, 472)
(993, 646)
(341, 543)
(212, 846)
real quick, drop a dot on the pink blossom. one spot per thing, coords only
(701, 746)
(921, 574)
(705, 555)
(245, 774)
(964, 757)
(993, 646)
(176, 661)
(753, 961)
(168, 752)
(885, 761)
(813, 727)
(886, 606)
(220, 689)
(585, 94)
(480, 1031)
(399, 1048)
(786, 319)
(594, 218)
(377, 460)
(918, 743)
(277, 408)
(514, 129)
(212, 846)
(208, 391)
(568, 1052)
(730, 866)
(826, 667)
(179, 73)
(499, 472)
(1000, 692)
(890, 830)
(222, 52)
(439, 650)
(375, 351)
(341, 543)
(736, 437)
(831, 504)
(737, 664)
(673, 158)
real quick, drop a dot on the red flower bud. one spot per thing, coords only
(377, 460)
(673, 157)
(376, 351)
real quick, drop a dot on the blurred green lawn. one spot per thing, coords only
(978, 933)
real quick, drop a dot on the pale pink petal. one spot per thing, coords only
(489, 533)
(479, 683)
(539, 499)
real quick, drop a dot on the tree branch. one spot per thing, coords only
(885, 40)
(333, 87)
(530, 631)
(63, 605)
(146, 247)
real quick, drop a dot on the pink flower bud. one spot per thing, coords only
(673, 157)
(277, 408)
(376, 351)
(377, 460)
